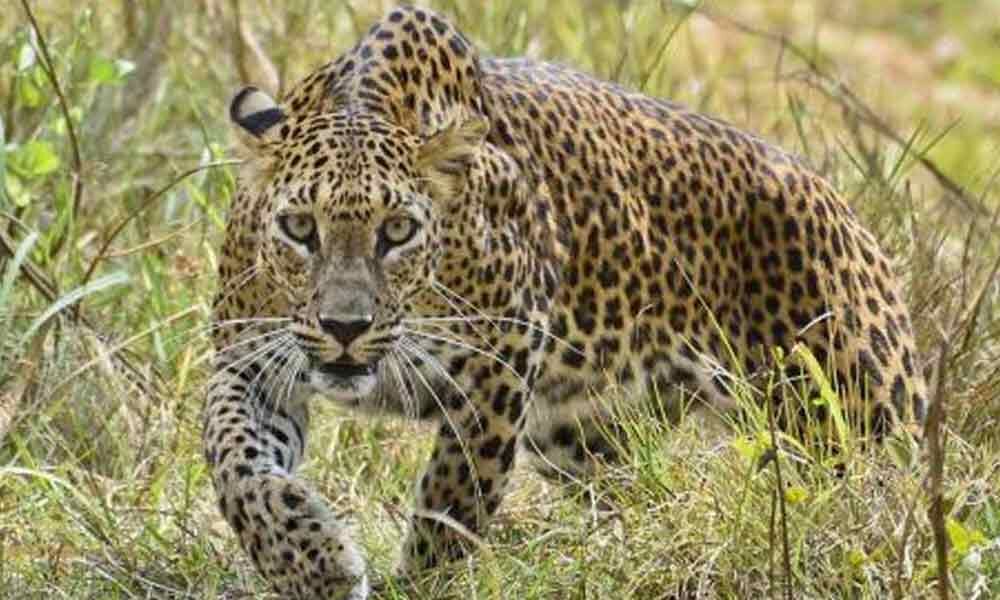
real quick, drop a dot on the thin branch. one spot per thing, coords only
(780, 499)
(936, 472)
(50, 72)
(147, 202)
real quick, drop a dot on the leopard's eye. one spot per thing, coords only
(398, 230)
(299, 228)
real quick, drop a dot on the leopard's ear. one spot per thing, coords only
(255, 112)
(449, 152)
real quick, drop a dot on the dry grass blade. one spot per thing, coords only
(26, 382)
(969, 320)
(120, 346)
(904, 538)
(251, 59)
(44, 285)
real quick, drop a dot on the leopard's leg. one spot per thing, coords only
(464, 482)
(568, 434)
(577, 426)
(254, 436)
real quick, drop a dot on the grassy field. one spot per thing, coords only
(110, 229)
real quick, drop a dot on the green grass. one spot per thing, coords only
(103, 492)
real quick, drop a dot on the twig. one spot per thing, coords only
(839, 92)
(147, 202)
(50, 73)
(933, 432)
(770, 541)
(780, 493)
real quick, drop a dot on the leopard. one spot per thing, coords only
(486, 245)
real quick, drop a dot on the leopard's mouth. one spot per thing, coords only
(347, 369)
(344, 380)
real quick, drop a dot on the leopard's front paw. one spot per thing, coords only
(329, 569)
(300, 547)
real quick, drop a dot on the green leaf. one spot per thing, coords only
(963, 538)
(746, 447)
(28, 93)
(34, 159)
(104, 70)
(796, 494)
(101, 70)
(856, 558)
(16, 192)
(828, 397)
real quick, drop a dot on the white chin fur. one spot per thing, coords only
(338, 388)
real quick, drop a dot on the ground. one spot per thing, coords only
(103, 493)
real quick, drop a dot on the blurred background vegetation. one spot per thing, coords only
(114, 188)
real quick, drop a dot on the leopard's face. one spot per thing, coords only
(349, 237)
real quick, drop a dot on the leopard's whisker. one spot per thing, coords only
(236, 283)
(436, 365)
(264, 380)
(293, 370)
(445, 415)
(410, 399)
(448, 295)
(184, 336)
(269, 336)
(430, 389)
(241, 343)
(240, 363)
(470, 348)
(240, 279)
(224, 323)
(495, 319)
(243, 362)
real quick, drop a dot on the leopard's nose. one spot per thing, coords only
(345, 328)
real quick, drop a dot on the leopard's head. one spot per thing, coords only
(350, 226)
